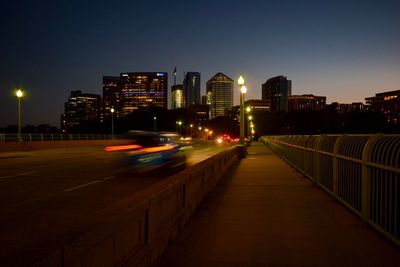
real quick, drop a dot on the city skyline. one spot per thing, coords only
(346, 51)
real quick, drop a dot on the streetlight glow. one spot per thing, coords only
(243, 89)
(19, 93)
(112, 110)
(241, 80)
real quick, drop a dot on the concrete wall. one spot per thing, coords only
(140, 227)
(39, 145)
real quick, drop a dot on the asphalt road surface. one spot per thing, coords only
(54, 194)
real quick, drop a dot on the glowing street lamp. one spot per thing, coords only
(19, 95)
(243, 91)
(112, 110)
(155, 123)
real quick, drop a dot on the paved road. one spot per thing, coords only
(52, 194)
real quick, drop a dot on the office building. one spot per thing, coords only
(191, 85)
(277, 90)
(111, 96)
(219, 94)
(140, 90)
(306, 102)
(81, 109)
(257, 105)
(199, 113)
(387, 103)
(177, 96)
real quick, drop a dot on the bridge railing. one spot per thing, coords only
(361, 171)
(57, 137)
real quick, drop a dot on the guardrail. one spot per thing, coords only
(57, 137)
(137, 229)
(361, 171)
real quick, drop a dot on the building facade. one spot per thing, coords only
(306, 102)
(257, 105)
(191, 86)
(219, 94)
(277, 90)
(111, 96)
(387, 103)
(141, 90)
(177, 96)
(81, 109)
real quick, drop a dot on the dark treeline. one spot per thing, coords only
(40, 129)
(323, 122)
(266, 123)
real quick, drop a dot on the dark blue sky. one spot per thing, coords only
(345, 50)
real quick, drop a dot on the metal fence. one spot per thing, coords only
(361, 171)
(57, 137)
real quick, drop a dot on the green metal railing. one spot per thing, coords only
(57, 137)
(361, 171)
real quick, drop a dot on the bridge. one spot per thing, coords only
(312, 210)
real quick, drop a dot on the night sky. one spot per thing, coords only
(345, 50)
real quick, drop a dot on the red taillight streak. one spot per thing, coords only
(118, 148)
(156, 149)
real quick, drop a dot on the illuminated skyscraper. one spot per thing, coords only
(81, 109)
(191, 85)
(220, 94)
(111, 95)
(177, 99)
(142, 90)
(277, 90)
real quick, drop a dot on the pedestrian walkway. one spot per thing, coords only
(265, 213)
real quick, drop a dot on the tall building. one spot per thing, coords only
(177, 98)
(81, 109)
(306, 102)
(257, 105)
(142, 90)
(387, 103)
(277, 90)
(111, 96)
(191, 85)
(219, 94)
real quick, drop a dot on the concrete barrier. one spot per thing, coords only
(138, 228)
(40, 145)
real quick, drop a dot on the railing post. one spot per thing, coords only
(366, 177)
(335, 164)
(317, 159)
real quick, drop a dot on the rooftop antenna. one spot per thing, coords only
(174, 75)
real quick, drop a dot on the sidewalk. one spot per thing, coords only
(265, 213)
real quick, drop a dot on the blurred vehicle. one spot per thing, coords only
(151, 150)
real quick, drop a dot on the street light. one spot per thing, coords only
(112, 110)
(19, 95)
(243, 91)
(155, 123)
(249, 124)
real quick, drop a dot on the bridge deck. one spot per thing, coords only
(265, 213)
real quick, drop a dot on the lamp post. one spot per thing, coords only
(249, 124)
(19, 94)
(155, 123)
(243, 91)
(112, 122)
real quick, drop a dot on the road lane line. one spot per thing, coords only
(25, 173)
(108, 178)
(82, 185)
(7, 176)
